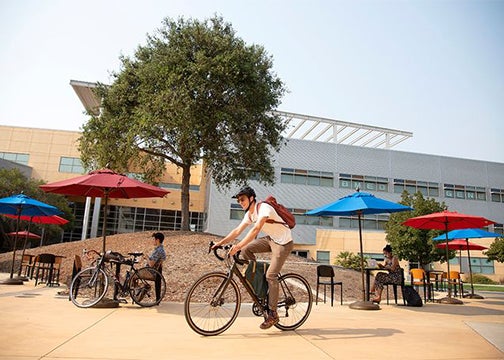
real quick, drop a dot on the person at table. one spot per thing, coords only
(393, 276)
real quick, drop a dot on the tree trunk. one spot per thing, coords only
(186, 177)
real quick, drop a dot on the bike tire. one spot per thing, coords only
(88, 287)
(142, 287)
(207, 309)
(294, 302)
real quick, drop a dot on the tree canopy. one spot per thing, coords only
(496, 250)
(13, 182)
(195, 92)
(413, 244)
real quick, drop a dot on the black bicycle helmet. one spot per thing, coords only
(246, 190)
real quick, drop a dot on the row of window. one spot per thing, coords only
(321, 178)
(376, 183)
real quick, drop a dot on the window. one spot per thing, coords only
(365, 183)
(71, 165)
(465, 192)
(301, 218)
(178, 186)
(497, 195)
(323, 257)
(478, 265)
(499, 228)
(426, 188)
(15, 157)
(236, 212)
(301, 253)
(369, 222)
(306, 177)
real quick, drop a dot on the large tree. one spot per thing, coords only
(194, 92)
(496, 250)
(409, 243)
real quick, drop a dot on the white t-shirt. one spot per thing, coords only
(280, 233)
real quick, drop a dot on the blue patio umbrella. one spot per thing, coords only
(358, 204)
(468, 234)
(21, 205)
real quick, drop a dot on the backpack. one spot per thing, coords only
(282, 211)
(256, 276)
(411, 296)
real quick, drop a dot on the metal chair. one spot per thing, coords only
(327, 272)
(43, 270)
(394, 288)
(456, 281)
(419, 278)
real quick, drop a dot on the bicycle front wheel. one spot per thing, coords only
(211, 306)
(294, 302)
(147, 287)
(88, 287)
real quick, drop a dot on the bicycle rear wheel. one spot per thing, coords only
(147, 287)
(88, 287)
(210, 306)
(294, 302)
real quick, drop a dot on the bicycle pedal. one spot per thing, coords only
(122, 301)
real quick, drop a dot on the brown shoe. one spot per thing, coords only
(271, 320)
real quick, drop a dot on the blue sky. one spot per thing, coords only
(434, 68)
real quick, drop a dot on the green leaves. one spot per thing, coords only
(413, 244)
(193, 92)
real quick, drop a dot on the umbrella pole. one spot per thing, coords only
(104, 230)
(362, 261)
(472, 295)
(24, 278)
(11, 280)
(363, 305)
(448, 299)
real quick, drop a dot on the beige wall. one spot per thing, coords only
(46, 147)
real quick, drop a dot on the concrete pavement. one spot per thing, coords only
(39, 324)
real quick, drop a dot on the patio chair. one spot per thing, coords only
(325, 277)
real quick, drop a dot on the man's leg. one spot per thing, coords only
(279, 254)
(260, 245)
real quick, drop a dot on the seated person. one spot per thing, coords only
(392, 277)
(158, 255)
(156, 259)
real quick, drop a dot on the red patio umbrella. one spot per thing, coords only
(107, 184)
(461, 244)
(24, 233)
(447, 220)
(38, 219)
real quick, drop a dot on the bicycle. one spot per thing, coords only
(146, 285)
(213, 302)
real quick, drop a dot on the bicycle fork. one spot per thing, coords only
(218, 297)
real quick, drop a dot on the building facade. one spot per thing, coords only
(308, 174)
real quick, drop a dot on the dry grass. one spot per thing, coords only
(187, 259)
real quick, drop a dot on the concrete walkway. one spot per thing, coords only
(39, 324)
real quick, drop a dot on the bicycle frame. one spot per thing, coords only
(233, 270)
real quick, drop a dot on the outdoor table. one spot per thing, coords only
(437, 275)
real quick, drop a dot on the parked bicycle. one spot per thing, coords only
(213, 302)
(146, 285)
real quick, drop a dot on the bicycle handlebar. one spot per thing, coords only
(226, 248)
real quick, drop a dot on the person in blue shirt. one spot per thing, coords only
(156, 258)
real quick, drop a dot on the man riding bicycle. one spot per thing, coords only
(278, 241)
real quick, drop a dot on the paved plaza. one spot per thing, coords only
(37, 323)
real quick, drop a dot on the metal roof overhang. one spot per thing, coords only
(302, 127)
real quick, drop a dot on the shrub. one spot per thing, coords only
(349, 260)
(481, 279)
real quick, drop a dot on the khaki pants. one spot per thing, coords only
(279, 254)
